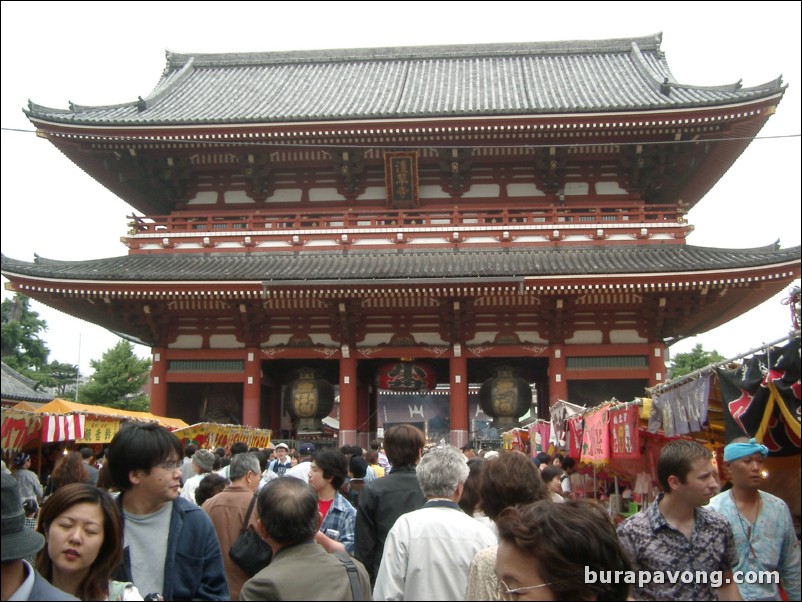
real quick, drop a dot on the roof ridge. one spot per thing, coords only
(176, 60)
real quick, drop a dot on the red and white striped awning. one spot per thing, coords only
(67, 427)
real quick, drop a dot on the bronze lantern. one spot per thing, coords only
(505, 397)
(308, 399)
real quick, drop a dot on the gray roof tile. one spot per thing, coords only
(21, 388)
(368, 265)
(408, 83)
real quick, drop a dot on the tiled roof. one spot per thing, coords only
(369, 265)
(411, 82)
(18, 387)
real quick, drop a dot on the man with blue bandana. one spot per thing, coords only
(761, 523)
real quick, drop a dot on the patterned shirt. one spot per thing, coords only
(768, 545)
(654, 545)
(340, 522)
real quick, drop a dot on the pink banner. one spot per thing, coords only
(596, 438)
(576, 427)
(539, 437)
(625, 432)
(67, 427)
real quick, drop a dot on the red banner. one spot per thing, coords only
(18, 429)
(624, 432)
(576, 426)
(596, 438)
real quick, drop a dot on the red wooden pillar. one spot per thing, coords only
(158, 382)
(657, 364)
(458, 368)
(558, 385)
(252, 388)
(348, 401)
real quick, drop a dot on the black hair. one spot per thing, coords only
(288, 510)
(358, 467)
(140, 447)
(333, 464)
(239, 447)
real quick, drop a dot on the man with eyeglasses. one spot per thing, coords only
(170, 546)
(227, 510)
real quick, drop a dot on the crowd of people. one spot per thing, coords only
(401, 521)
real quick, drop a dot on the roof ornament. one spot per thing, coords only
(141, 104)
(665, 88)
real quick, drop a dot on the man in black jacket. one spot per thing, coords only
(382, 501)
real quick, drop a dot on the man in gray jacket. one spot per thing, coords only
(301, 569)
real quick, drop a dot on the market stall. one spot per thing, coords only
(210, 435)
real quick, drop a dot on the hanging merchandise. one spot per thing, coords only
(682, 409)
(576, 426)
(625, 434)
(539, 437)
(596, 437)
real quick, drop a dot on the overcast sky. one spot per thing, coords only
(113, 52)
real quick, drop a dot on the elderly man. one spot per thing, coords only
(301, 569)
(428, 552)
(227, 510)
(761, 523)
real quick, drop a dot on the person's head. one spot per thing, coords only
(71, 469)
(372, 456)
(19, 541)
(685, 470)
(557, 461)
(306, 450)
(203, 461)
(744, 459)
(190, 449)
(375, 445)
(469, 451)
(568, 465)
(22, 460)
(282, 449)
(442, 472)
(328, 467)
(87, 454)
(288, 511)
(83, 533)
(238, 447)
(139, 451)
(551, 476)
(295, 458)
(30, 507)
(357, 467)
(511, 478)
(542, 460)
(471, 500)
(244, 471)
(403, 444)
(546, 548)
(262, 456)
(210, 486)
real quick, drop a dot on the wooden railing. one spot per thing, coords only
(281, 221)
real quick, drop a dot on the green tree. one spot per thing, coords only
(62, 377)
(118, 379)
(696, 359)
(22, 348)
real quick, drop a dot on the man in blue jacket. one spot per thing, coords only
(170, 545)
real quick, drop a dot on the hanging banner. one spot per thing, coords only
(576, 427)
(625, 435)
(539, 437)
(19, 428)
(682, 409)
(596, 438)
(99, 431)
(761, 399)
(209, 435)
(65, 427)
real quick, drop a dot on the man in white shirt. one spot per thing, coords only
(428, 552)
(301, 470)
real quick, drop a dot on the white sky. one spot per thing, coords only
(105, 53)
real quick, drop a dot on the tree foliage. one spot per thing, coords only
(22, 348)
(696, 359)
(118, 379)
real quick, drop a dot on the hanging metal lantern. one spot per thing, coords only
(505, 397)
(308, 400)
(406, 376)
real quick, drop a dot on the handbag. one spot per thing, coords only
(250, 551)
